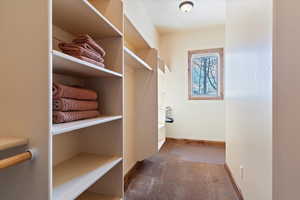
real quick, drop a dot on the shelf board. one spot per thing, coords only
(71, 126)
(74, 176)
(133, 36)
(161, 143)
(133, 60)
(161, 126)
(95, 196)
(161, 65)
(66, 64)
(80, 17)
(7, 142)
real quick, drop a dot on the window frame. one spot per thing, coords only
(220, 51)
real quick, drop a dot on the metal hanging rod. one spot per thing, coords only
(16, 159)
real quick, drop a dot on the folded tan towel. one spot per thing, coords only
(64, 91)
(63, 104)
(61, 117)
(80, 50)
(87, 39)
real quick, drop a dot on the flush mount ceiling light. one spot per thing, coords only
(186, 6)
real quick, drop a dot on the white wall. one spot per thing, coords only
(249, 96)
(137, 13)
(198, 119)
(286, 104)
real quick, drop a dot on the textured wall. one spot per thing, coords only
(249, 95)
(198, 119)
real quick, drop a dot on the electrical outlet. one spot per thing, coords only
(242, 172)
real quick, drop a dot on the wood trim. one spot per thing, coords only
(131, 174)
(235, 186)
(221, 73)
(14, 160)
(190, 141)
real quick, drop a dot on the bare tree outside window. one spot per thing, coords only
(206, 74)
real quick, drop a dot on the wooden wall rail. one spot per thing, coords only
(14, 160)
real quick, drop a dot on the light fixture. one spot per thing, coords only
(186, 6)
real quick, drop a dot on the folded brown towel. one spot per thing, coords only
(63, 104)
(89, 60)
(64, 91)
(87, 46)
(79, 50)
(61, 117)
(87, 39)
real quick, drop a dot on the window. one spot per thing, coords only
(206, 74)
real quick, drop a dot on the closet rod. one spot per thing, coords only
(16, 159)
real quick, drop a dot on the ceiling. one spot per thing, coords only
(167, 17)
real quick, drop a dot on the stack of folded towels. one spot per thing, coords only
(84, 48)
(73, 103)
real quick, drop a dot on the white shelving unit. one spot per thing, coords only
(90, 161)
(140, 100)
(81, 17)
(133, 37)
(65, 64)
(72, 126)
(161, 104)
(134, 61)
(161, 143)
(161, 126)
(82, 159)
(72, 177)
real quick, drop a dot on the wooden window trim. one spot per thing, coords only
(221, 73)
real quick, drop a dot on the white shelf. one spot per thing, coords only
(161, 143)
(71, 126)
(133, 60)
(74, 176)
(65, 64)
(79, 17)
(7, 142)
(161, 126)
(95, 196)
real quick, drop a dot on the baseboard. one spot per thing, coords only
(189, 141)
(131, 174)
(236, 187)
